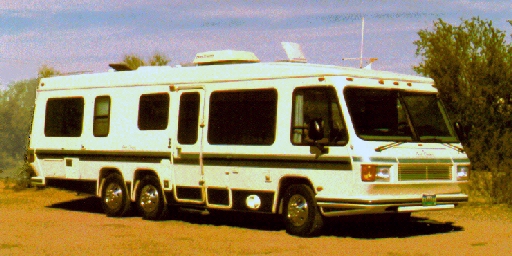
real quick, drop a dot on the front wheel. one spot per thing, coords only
(115, 199)
(300, 211)
(150, 200)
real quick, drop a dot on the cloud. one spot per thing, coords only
(485, 6)
(79, 34)
(54, 6)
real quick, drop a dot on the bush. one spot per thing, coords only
(23, 177)
(490, 187)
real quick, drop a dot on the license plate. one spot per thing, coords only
(428, 200)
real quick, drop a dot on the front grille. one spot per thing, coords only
(408, 172)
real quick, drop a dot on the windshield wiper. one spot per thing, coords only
(388, 146)
(461, 150)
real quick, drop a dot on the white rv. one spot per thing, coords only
(301, 140)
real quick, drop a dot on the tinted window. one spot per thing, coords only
(188, 120)
(101, 122)
(317, 103)
(245, 117)
(64, 117)
(396, 115)
(153, 112)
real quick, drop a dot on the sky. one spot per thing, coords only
(87, 35)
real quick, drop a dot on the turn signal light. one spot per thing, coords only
(30, 157)
(368, 172)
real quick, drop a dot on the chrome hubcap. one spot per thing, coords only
(149, 198)
(113, 196)
(297, 210)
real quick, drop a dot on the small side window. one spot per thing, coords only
(188, 120)
(64, 117)
(101, 122)
(153, 111)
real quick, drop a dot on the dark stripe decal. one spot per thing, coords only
(102, 153)
(461, 161)
(269, 161)
(383, 159)
(246, 160)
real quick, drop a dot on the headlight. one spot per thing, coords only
(383, 173)
(462, 172)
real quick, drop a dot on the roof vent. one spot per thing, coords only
(225, 57)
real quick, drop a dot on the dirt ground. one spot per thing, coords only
(55, 222)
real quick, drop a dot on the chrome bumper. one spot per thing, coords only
(341, 207)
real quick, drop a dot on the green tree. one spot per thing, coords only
(159, 59)
(46, 71)
(471, 66)
(16, 107)
(134, 61)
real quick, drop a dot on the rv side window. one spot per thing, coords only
(101, 121)
(188, 119)
(153, 111)
(244, 117)
(317, 103)
(64, 117)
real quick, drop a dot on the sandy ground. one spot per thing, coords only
(55, 222)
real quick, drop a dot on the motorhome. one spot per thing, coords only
(301, 140)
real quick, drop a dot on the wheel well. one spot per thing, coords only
(138, 176)
(286, 182)
(105, 172)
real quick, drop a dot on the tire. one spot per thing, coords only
(115, 198)
(300, 211)
(150, 199)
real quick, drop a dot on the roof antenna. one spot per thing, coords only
(362, 44)
(370, 60)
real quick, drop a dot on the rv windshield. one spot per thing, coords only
(397, 115)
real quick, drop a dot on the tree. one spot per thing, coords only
(16, 107)
(46, 71)
(133, 61)
(471, 66)
(159, 59)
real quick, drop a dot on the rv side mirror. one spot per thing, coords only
(461, 131)
(316, 133)
(316, 130)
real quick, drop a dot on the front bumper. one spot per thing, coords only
(353, 206)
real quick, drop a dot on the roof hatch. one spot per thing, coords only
(225, 57)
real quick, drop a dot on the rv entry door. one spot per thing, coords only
(187, 156)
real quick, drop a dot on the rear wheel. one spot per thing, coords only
(150, 199)
(300, 211)
(115, 199)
